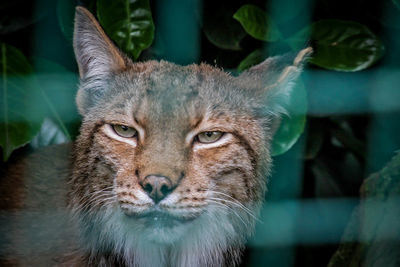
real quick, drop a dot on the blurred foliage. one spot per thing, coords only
(256, 23)
(292, 124)
(17, 125)
(128, 23)
(353, 45)
(340, 45)
(372, 236)
(221, 29)
(346, 102)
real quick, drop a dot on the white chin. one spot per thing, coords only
(166, 234)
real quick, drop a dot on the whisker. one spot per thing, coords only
(95, 198)
(237, 203)
(106, 189)
(228, 208)
(234, 199)
(103, 202)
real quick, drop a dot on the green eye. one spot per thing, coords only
(209, 137)
(124, 131)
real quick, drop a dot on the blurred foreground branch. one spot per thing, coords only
(372, 235)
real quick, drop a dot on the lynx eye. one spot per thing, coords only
(124, 131)
(209, 137)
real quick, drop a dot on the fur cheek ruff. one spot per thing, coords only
(217, 235)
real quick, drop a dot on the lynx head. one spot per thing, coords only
(171, 156)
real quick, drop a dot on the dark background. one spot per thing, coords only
(352, 129)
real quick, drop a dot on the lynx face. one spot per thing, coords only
(171, 156)
(171, 147)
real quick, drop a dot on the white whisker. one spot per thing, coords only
(236, 203)
(228, 208)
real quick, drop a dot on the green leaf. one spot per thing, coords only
(128, 22)
(252, 59)
(221, 29)
(257, 23)
(292, 126)
(19, 120)
(340, 45)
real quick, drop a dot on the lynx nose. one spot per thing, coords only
(157, 187)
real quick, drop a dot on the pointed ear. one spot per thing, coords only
(275, 77)
(95, 52)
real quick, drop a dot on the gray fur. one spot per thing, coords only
(218, 187)
(168, 99)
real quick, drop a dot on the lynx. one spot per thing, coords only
(169, 169)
